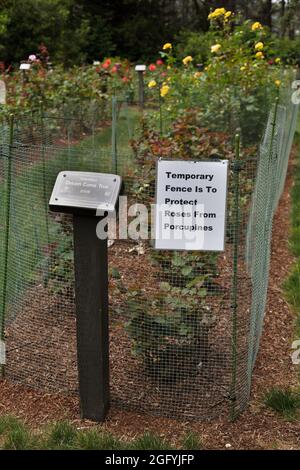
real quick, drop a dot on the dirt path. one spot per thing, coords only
(257, 428)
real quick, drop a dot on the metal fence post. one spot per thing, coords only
(7, 231)
(160, 113)
(234, 299)
(43, 142)
(114, 147)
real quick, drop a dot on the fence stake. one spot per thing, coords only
(160, 113)
(7, 231)
(234, 305)
(114, 148)
(43, 143)
(44, 169)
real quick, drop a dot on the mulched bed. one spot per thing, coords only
(41, 344)
(256, 428)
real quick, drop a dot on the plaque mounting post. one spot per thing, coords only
(83, 194)
(91, 293)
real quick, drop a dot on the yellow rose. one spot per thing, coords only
(277, 82)
(277, 60)
(164, 90)
(256, 26)
(216, 13)
(187, 59)
(215, 48)
(152, 84)
(259, 55)
(166, 46)
(259, 46)
(228, 14)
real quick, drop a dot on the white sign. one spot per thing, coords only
(2, 92)
(25, 66)
(140, 68)
(190, 207)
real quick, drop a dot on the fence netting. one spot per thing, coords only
(184, 326)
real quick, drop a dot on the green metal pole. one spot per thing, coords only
(43, 143)
(234, 297)
(273, 129)
(141, 89)
(160, 113)
(7, 231)
(114, 148)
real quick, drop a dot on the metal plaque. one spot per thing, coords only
(85, 191)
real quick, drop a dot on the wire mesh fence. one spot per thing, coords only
(184, 326)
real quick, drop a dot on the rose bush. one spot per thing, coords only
(235, 85)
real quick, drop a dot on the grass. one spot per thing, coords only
(150, 442)
(15, 435)
(284, 401)
(192, 441)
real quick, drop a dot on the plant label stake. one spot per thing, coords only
(140, 69)
(25, 67)
(83, 194)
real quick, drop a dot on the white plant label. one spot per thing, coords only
(25, 66)
(190, 210)
(2, 92)
(140, 68)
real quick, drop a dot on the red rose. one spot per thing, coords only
(152, 67)
(106, 64)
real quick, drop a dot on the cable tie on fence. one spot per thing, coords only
(231, 398)
(237, 166)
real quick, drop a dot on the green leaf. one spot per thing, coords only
(178, 261)
(115, 273)
(165, 286)
(186, 270)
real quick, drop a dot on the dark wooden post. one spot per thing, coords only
(140, 69)
(91, 283)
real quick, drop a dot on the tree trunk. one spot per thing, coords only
(268, 13)
(282, 19)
